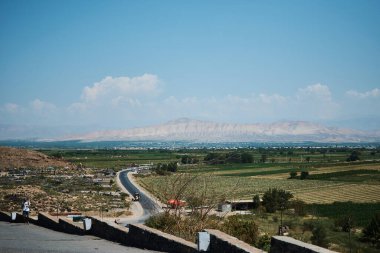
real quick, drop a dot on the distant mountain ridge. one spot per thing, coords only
(185, 129)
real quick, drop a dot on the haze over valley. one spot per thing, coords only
(185, 129)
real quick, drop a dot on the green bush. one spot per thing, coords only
(256, 201)
(264, 242)
(293, 174)
(242, 228)
(164, 222)
(299, 207)
(319, 236)
(371, 232)
(345, 223)
(304, 175)
(276, 199)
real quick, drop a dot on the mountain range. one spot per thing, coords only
(185, 129)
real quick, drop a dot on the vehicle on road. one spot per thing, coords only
(136, 196)
(175, 203)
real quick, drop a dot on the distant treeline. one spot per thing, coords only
(230, 157)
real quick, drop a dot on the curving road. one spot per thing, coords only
(149, 206)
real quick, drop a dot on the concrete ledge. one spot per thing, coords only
(48, 221)
(286, 244)
(108, 232)
(19, 218)
(222, 242)
(141, 236)
(4, 216)
(71, 227)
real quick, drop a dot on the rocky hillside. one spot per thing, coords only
(205, 131)
(24, 158)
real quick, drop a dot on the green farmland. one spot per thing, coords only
(335, 185)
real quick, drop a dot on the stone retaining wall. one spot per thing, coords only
(141, 236)
(4, 216)
(71, 227)
(284, 244)
(223, 243)
(48, 221)
(106, 231)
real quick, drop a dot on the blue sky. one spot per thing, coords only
(85, 65)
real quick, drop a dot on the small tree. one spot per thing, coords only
(275, 199)
(264, 242)
(211, 156)
(345, 223)
(372, 231)
(243, 229)
(299, 207)
(246, 157)
(293, 174)
(256, 201)
(263, 158)
(172, 167)
(354, 156)
(185, 159)
(319, 236)
(304, 175)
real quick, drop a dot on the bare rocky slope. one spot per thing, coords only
(23, 158)
(205, 131)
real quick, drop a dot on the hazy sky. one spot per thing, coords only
(120, 64)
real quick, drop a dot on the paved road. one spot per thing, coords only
(21, 238)
(150, 207)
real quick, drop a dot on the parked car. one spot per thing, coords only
(175, 203)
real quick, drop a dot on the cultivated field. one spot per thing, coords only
(310, 191)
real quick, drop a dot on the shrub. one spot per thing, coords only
(164, 222)
(299, 207)
(275, 199)
(293, 174)
(256, 201)
(246, 158)
(354, 156)
(304, 175)
(345, 223)
(243, 229)
(372, 231)
(319, 236)
(264, 242)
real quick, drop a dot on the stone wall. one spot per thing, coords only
(141, 236)
(71, 227)
(223, 243)
(284, 244)
(48, 221)
(106, 231)
(4, 216)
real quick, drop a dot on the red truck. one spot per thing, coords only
(175, 203)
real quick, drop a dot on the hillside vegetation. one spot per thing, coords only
(11, 158)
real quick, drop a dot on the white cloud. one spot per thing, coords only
(118, 102)
(42, 106)
(77, 107)
(368, 94)
(269, 99)
(12, 108)
(315, 91)
(315, 102)
(121, 87)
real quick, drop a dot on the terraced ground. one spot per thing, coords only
(354, 182)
